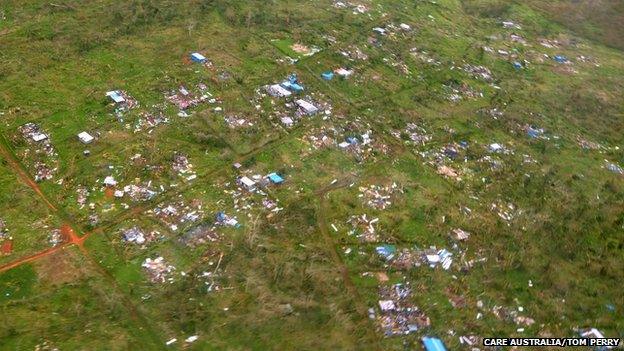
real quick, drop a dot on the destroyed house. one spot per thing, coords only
(307, 107)
(247, 183)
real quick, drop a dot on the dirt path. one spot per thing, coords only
(362, 308)
(31, 258)
(23, 175)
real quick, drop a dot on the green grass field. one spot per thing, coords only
(426, 102)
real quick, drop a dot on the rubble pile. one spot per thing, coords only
(364, 228)
(184, 99)
(158, 270)
(354, 53)
(199, 235)
(136, 235)
(248, 195)
(321, 138)
(435, 257)
(398, 316)
(148, 121)
(406, 259)
(55, 238)
(4, 231)
(378, 197)
(479, 72)
(456, 93)
(122, 108)
(140, 192)
(414, 133)
(178, 214)
(363, 147)
(82, 194)
(40, 150)
(183, 166)
(614, 167)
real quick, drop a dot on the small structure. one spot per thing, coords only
(329, 75)
(277, 90)
(247, 183)
(85, 137)
(433, 344)
(116, 96)
(307, 107)
(197, 57)
(275, 178)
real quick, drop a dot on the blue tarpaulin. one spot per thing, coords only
(327, 75)
(275, 178)
(433, 344)
(296, 87)
(291, 86)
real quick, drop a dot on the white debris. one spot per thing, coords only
(191, 339)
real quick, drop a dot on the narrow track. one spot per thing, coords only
(331, 246)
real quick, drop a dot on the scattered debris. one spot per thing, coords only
(460, 234)
(398, 315)
(158, 270)
(55, 237)
(378, 197)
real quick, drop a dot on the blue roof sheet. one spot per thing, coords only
(433, 344)
(275, 178)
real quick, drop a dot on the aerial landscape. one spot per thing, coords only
(310, 175)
